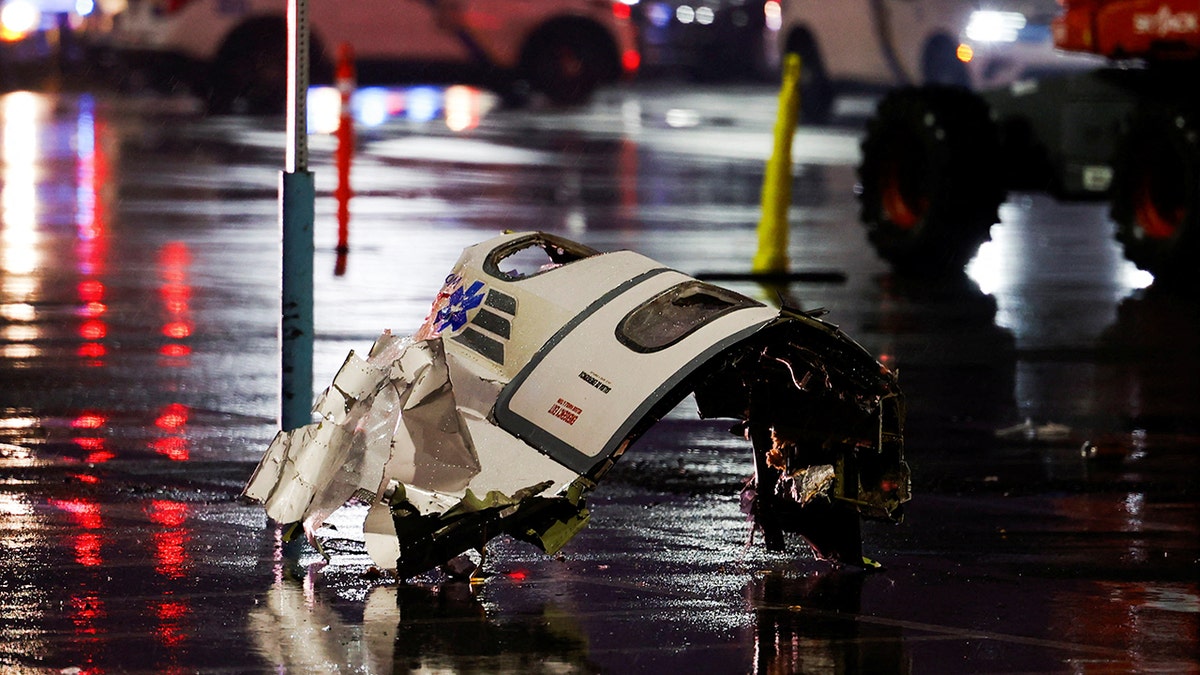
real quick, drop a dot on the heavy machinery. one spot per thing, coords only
(938, 161)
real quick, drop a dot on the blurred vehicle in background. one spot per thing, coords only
(95, 30)
(710, 39)
(887, 43)
(37, 36)
(233, 52)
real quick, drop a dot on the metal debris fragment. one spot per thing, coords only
(540, 363)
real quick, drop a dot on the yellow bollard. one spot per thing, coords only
(772, 255)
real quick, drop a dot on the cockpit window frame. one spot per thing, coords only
(692, 288)
(559, 252)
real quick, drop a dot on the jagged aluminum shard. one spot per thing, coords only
(541, 361)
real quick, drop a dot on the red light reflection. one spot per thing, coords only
(91, 290)
(170, 544)
(175, 296)
(631, 61)
(175, 350)
(172, 629)
(170, 554)
(90, 444)
(168, 513)
(89, 420)
(90, 250)
(175, 291)
(87, 549)
(93, 329)
(173, 448)
(85, 610)
(91, 350)
(85, 514)
(175, 257)
(177, 329)
(172, 417)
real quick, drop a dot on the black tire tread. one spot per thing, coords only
(1157, 136)
(963, 180)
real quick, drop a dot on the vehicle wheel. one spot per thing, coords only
(566, 67)
(931, 185)
(1156, 192)
(250, 74)
(816, 91)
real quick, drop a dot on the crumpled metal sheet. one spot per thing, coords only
(388, 420)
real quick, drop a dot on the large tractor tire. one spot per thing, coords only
(930, 179)
(1156, 193)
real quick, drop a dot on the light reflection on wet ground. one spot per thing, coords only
(137, 300)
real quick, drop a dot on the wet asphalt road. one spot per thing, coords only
(1054, 424)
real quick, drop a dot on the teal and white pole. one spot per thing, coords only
(296, 206)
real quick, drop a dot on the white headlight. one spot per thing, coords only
(19, 18)
(993, 26)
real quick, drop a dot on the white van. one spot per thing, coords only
(979, 44)
(232, 52)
